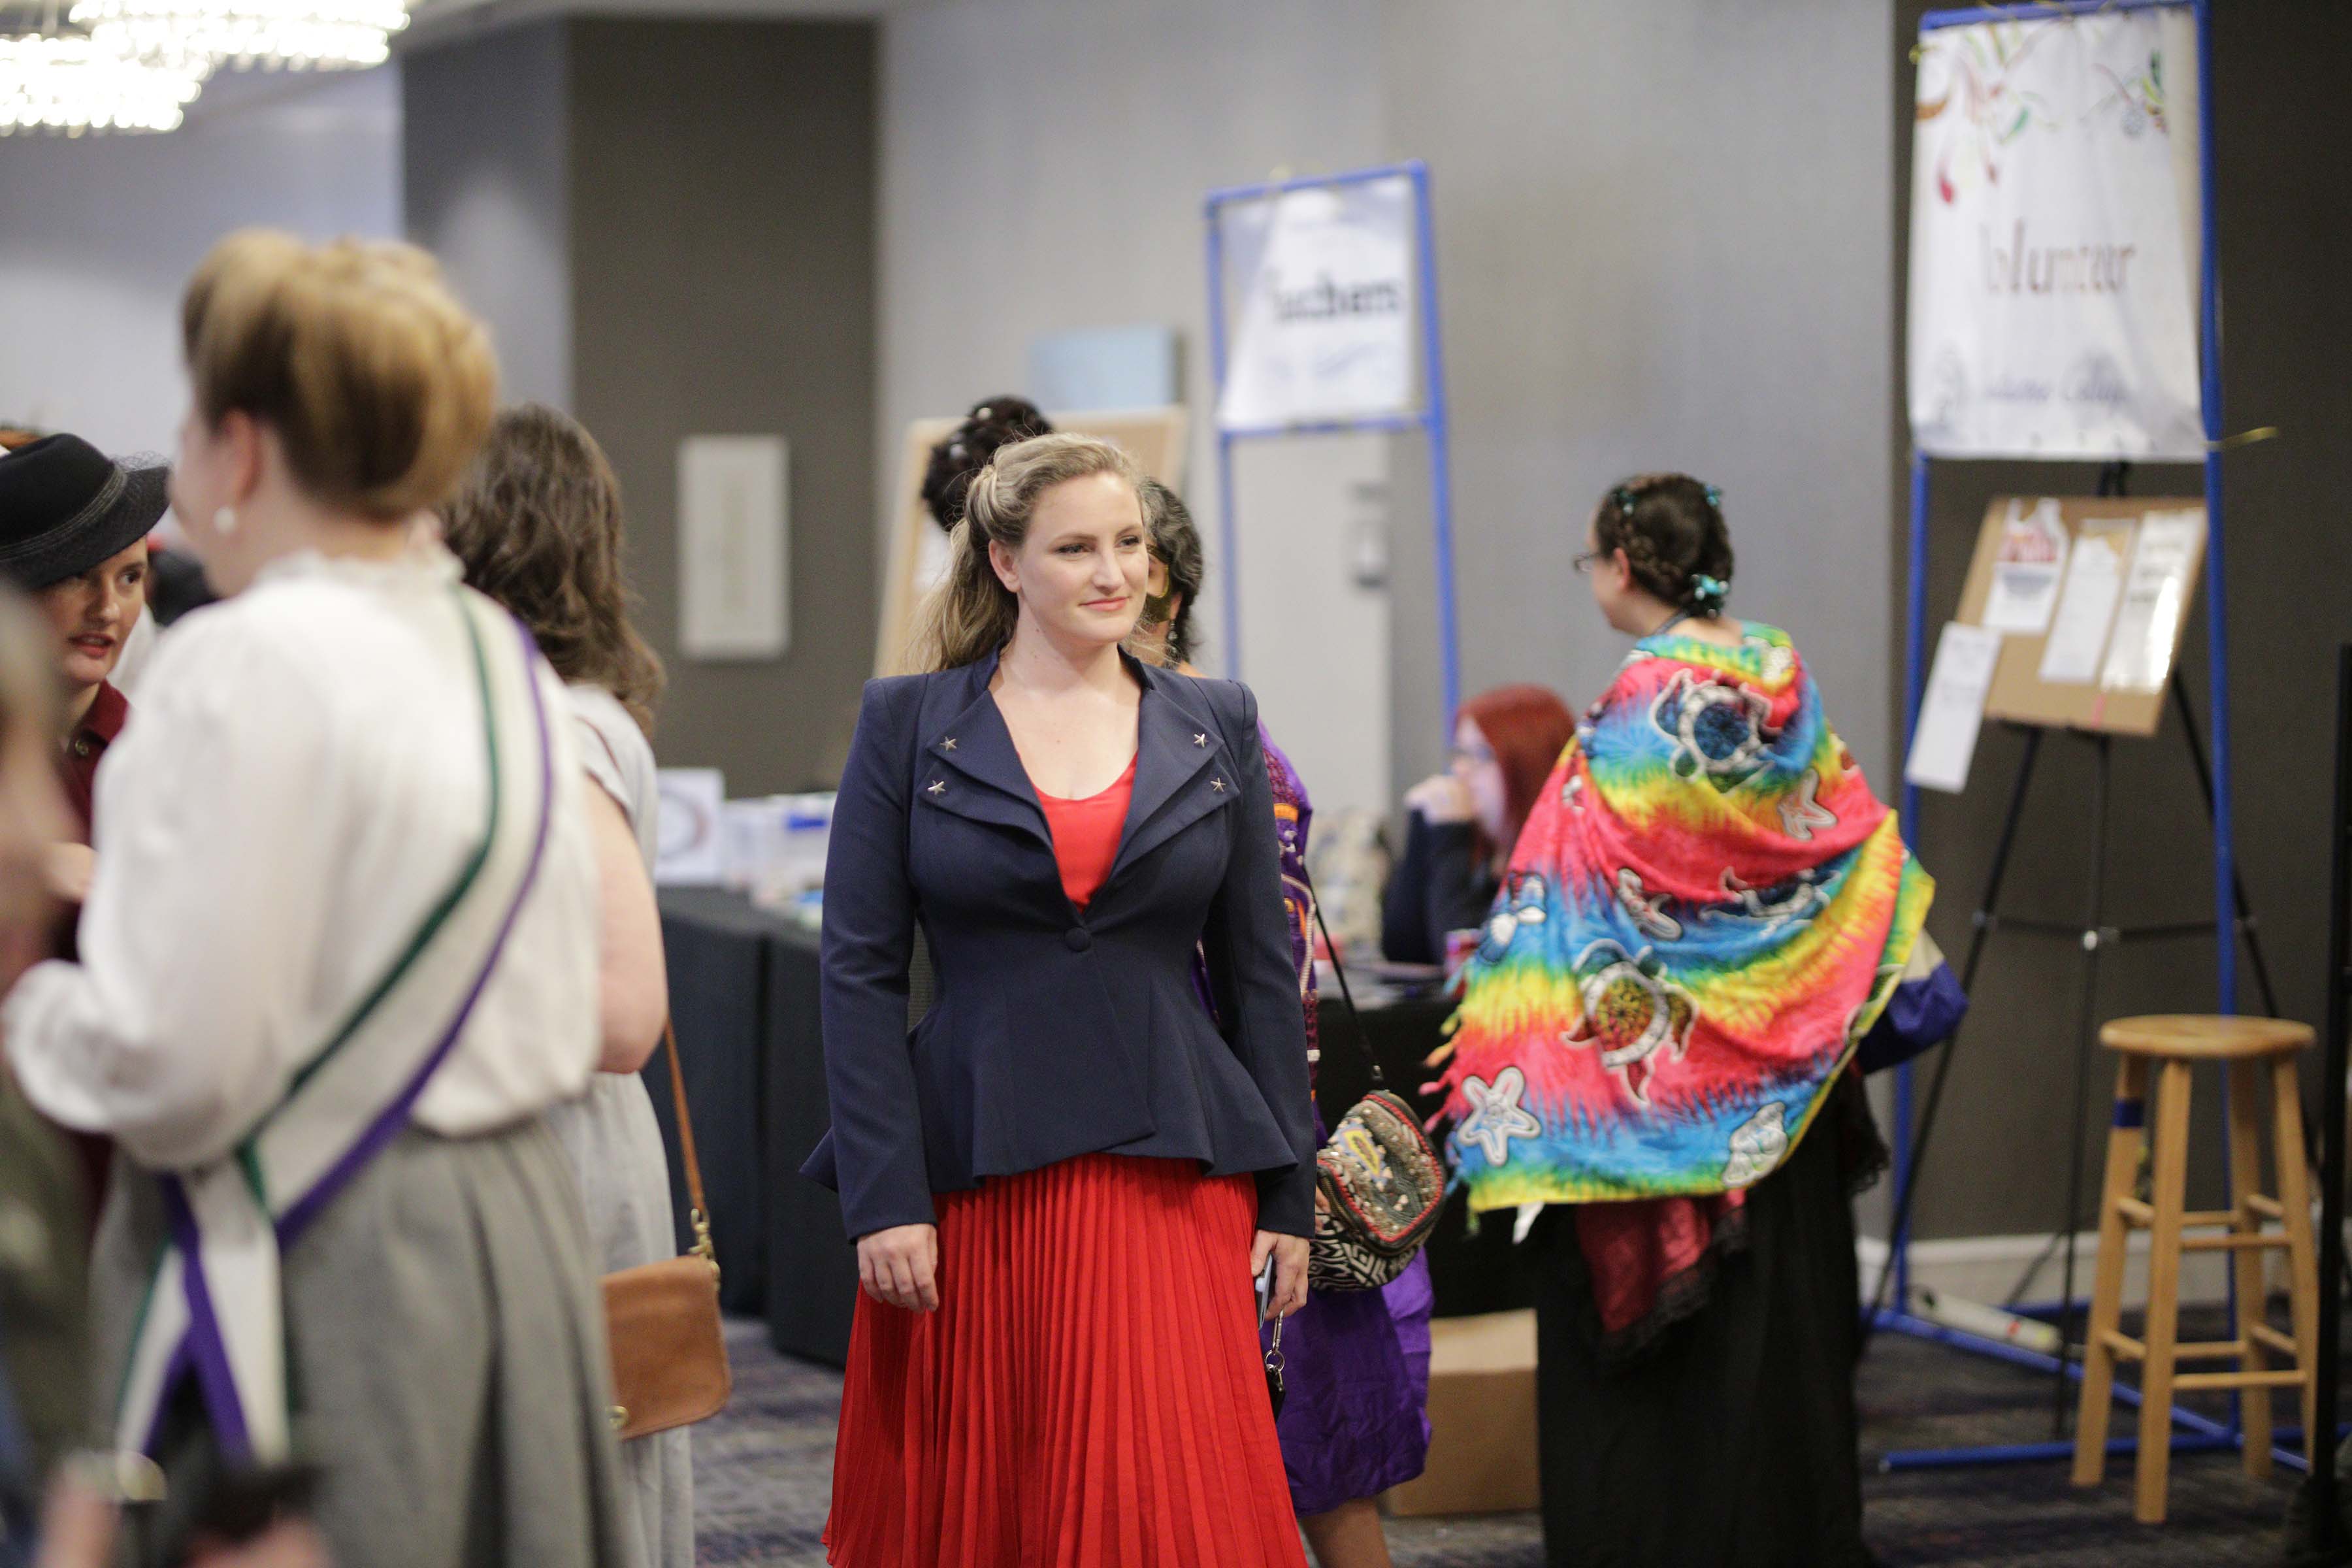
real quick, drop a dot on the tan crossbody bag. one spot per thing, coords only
(661, 1320)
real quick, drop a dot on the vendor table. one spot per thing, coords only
(744, 991)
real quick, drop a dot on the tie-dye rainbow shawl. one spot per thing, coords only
(1707, 911)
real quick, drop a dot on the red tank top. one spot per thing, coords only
(1086, 834)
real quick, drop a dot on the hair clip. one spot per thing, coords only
(1715, 497)
(1708, 593)
(1623, 496)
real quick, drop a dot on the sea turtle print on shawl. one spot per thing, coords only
(1707, 911)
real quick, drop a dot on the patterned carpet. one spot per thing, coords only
(762, 1470)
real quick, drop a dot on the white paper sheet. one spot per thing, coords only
(2156, 596)
(734, 547)
(1953, 711)
(2086, 608)
(692, 848)
(2027, 569)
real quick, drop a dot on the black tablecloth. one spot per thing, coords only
(743, 990)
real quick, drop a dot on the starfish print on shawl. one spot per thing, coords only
(1758, 1145)
(1802, 813)
(1719, 730)
(1774, 662)
(1632, 1012)
(1521, 904)
(1646, 910)
(1494, 1116)
(1798, 898)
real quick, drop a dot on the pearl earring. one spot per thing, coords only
(225, 521)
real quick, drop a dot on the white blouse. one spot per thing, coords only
(300, 782)
(620, 759)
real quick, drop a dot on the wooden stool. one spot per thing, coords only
(2252, 1048)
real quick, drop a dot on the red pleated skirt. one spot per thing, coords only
(1088, 1395)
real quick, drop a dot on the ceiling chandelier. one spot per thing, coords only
(68, 86)
(198, 35)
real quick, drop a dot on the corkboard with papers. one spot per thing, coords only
(2091, 597)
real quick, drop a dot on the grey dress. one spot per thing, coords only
(616, 1147)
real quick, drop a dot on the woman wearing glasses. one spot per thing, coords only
(1463, 822)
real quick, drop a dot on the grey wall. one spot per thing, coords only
(670, 226)
(723, 224)
(1999, 1163)
(1633, 273)
(98, 236)
(1662, 239)
(486, 188)
(1044, 165)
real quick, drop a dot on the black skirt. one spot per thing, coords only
(1730, 1439)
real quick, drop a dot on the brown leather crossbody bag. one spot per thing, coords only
(661, 1320)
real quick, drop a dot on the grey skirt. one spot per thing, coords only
(447, 1361)
(616, 1148)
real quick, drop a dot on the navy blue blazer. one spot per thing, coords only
(1055, 1032)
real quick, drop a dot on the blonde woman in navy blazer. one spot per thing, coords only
(1064, 1182)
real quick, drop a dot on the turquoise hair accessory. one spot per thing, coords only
(1708, 593)
(1715, 497)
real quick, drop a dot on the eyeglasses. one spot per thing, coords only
(1589, 559)
(1471, 756)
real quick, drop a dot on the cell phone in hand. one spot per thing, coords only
(1264, 1287)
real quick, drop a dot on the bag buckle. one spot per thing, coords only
(702, 1247)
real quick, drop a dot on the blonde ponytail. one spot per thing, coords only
(972, 613)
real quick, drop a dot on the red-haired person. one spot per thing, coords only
(1461, 824)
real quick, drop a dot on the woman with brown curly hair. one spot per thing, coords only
(538, 525)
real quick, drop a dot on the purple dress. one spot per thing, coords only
(1355, 1419)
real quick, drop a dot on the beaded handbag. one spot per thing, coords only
(1380, 1182)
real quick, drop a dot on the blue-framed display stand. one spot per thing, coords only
(1430, 418)
(2191, 1432)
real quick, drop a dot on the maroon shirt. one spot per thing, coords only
(77, 770)
(86, 747)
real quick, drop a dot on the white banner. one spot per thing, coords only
(2053, 216)
(1323, 324)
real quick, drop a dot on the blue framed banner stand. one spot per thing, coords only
(1429, 418)
(2191, 1432)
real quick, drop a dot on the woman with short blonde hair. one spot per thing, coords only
(340, 956)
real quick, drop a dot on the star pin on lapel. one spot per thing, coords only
(1217, 785)
(1200, 740)
(939, 786)
(948, 744)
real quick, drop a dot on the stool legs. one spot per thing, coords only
(2127, 1137)
(2303, 1258)
(2245, 1220)
(2163, 1333)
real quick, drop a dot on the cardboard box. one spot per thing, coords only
(1482, 1419)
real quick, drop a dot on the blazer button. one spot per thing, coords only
(1077, 939)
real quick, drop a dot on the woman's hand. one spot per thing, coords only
(70, 868)
(900, 1266)
(1289, 1255)
(1441, 798)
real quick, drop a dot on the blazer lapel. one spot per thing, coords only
(1183, 772)
(973, 770)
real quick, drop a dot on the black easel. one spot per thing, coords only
(2316, 1536)
(2094, 935)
